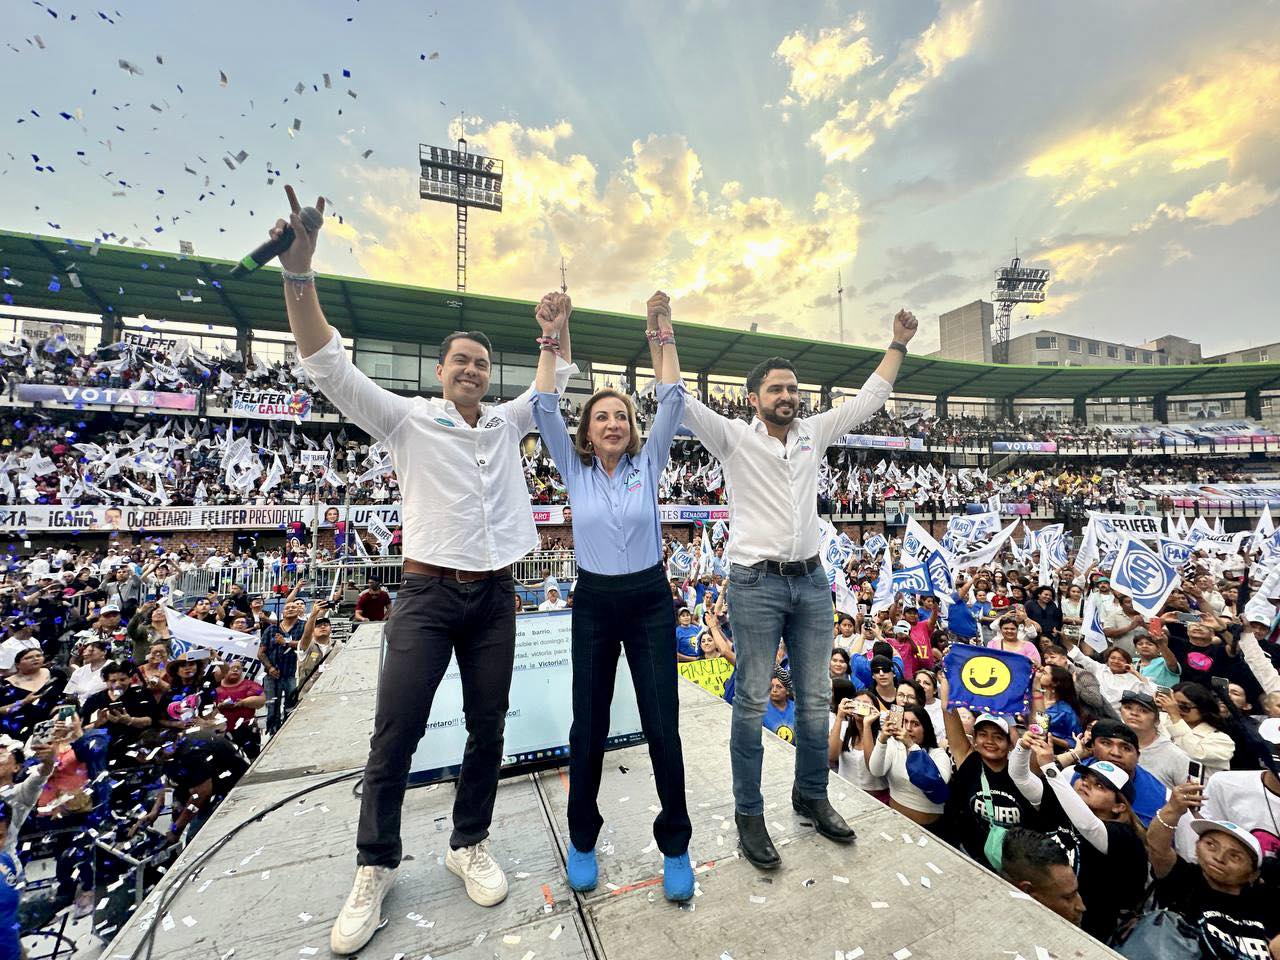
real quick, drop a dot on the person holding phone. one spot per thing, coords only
(1219, 894)
(1197, 727)
(915, 767)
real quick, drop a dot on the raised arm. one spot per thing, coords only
(834, 423)
(957, 740)
(377, 410)
(552, 314)
(551, 317)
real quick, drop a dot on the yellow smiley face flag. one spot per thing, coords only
(987, 680)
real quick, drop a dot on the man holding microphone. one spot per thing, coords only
(466, 520)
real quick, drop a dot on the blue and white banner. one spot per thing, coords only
(1174, 552)
(875, 544)
(1144, 576)
(1091, 627)
(912, 580)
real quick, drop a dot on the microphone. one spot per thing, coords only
(311, 218)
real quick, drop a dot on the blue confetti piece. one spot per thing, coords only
(54, 286)
(346, 73)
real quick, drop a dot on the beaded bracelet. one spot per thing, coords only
(299, 280)
(549, 343)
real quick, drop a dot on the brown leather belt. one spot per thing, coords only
(451, 573)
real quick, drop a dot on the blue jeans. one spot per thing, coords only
(763, 609)
(279, 691)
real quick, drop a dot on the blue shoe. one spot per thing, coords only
(582, 870)
(677, 877)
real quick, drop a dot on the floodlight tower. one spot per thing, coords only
(1014, 284)
(454, 175)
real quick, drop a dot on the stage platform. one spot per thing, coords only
(272, 892)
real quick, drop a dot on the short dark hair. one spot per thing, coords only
(112, 666)
(761, 370)
(1027, 855)
(475, 335)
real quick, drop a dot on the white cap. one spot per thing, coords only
(902, 627)
(1269, 730)
(110, 608)
(1108, 771)
(1000, 722)
(1203, 826)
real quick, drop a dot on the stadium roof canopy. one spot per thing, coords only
(128, 281)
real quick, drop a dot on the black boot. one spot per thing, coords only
(756, 845)
(828, 823)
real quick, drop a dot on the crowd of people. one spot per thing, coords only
(1143, 775)
(56, 456)
(125, 718)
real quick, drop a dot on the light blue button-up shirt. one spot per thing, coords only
(616, 526)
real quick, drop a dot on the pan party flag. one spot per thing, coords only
(987, 680)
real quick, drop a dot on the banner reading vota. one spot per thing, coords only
(1023, 446)
(104, 396)
(872, 442)
(271, 404)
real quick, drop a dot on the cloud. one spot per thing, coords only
(911, 265)
(725, 256)
(1072, 260)
(852, 132)
(1228, 203)
(821, 67)
(1195, 119)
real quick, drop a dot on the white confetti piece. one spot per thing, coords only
(189, 921)
(926, 882)
(511, 939)
(166, 923)
(922, 841)
(879, 905)
(853, 954)
(902, 954)
(528, 955)
(1042, 954)
(934, 867)
(839, 879)
(304, 917)
(308, 951)
(555, 934)
(906, 838)
(759, 901)
(265, 875)
(653, 845)
(903, 880)
(726, 956)
(885, 835)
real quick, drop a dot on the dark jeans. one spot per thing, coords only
(631, 612)
(434, 617)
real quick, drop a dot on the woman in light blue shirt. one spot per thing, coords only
(622, 600)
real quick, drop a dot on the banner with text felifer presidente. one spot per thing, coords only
(37, 518)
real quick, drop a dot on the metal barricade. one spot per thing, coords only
(540, 564)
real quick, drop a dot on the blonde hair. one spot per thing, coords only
(580, 440)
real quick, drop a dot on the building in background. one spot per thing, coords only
(1262, 354)
(965, 332)
(1053, 348)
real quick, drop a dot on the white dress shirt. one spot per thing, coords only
(773, 488)
(466, 504)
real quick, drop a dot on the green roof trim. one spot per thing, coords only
(376, 309)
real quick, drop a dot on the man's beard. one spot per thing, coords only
(779, 420)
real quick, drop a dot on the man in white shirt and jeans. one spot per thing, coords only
(466, 519)
(779, 590)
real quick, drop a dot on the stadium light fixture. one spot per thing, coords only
(1014, 284)
(455, 175)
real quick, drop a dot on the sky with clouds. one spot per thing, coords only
(738, 155)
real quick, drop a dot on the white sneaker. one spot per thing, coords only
(362, 913)
(486, 883)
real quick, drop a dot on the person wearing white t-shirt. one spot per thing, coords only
(553, 601)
